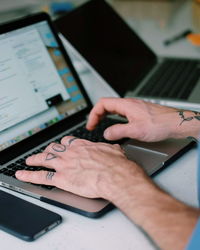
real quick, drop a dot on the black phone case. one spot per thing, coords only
(23, 219)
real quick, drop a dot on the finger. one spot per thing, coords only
(71, 140)
(37, 177)
(111, 105)
(44, 159)
(117, 132)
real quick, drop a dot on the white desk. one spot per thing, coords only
(114, 230)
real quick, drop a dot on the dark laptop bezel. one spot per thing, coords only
(44, 135)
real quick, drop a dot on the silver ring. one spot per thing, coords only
(71, 140)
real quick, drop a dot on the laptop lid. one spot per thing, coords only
(93, 29)
(40, 92)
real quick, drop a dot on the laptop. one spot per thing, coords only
(124, 61)
(42, 100)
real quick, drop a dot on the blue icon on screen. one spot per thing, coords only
(53, 44)
(57, 52)
(70, 78)
(76, 98)
(49, 35)
(72, 89)
(63, 71)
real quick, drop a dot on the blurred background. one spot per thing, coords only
(153, 20)
(161, 12)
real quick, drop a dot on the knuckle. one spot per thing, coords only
(49, 146)
(66, 138)
(117, 146)
(79, 141)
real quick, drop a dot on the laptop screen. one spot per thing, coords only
(37, 88)
(108, 44)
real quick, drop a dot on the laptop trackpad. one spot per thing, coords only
(149, 159)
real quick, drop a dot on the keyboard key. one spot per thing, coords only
(3, 170)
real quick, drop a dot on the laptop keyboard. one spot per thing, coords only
(80, 132)
(175, 78)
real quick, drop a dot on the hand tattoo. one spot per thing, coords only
(50, 156)
(195, 116)
(59, 147)
(49, 175)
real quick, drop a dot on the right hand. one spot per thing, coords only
(87, 169)
(146, 121)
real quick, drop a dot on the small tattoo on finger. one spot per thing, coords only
(49, 175)
(59, 147)
(50, 156)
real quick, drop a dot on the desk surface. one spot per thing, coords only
(114, 230)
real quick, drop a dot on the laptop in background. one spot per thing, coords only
(115, 52)
(42, 100)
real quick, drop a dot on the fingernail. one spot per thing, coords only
(106, 134)
(27, 159)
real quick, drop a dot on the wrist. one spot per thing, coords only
(188, 124)
(128, 184)
(138, 201)
(168, 221)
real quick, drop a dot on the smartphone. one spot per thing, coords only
(23, 219)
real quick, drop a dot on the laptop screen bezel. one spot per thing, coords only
(46, 134)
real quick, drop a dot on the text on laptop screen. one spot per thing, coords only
(37, 88)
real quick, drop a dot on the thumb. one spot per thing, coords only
(117, 132)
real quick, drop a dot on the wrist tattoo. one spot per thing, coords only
(59, 147)
(196, 116)
(50, 156)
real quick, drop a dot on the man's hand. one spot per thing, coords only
(102, 170)
(82, 167)
(146, 121)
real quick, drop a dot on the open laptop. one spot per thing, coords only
(42, 100)
(121, 58)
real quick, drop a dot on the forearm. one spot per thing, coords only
(169, 222)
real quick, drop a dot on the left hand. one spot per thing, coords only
(82, 167)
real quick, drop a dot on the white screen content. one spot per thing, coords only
(28, 77)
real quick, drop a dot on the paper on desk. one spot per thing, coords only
(95, 86)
